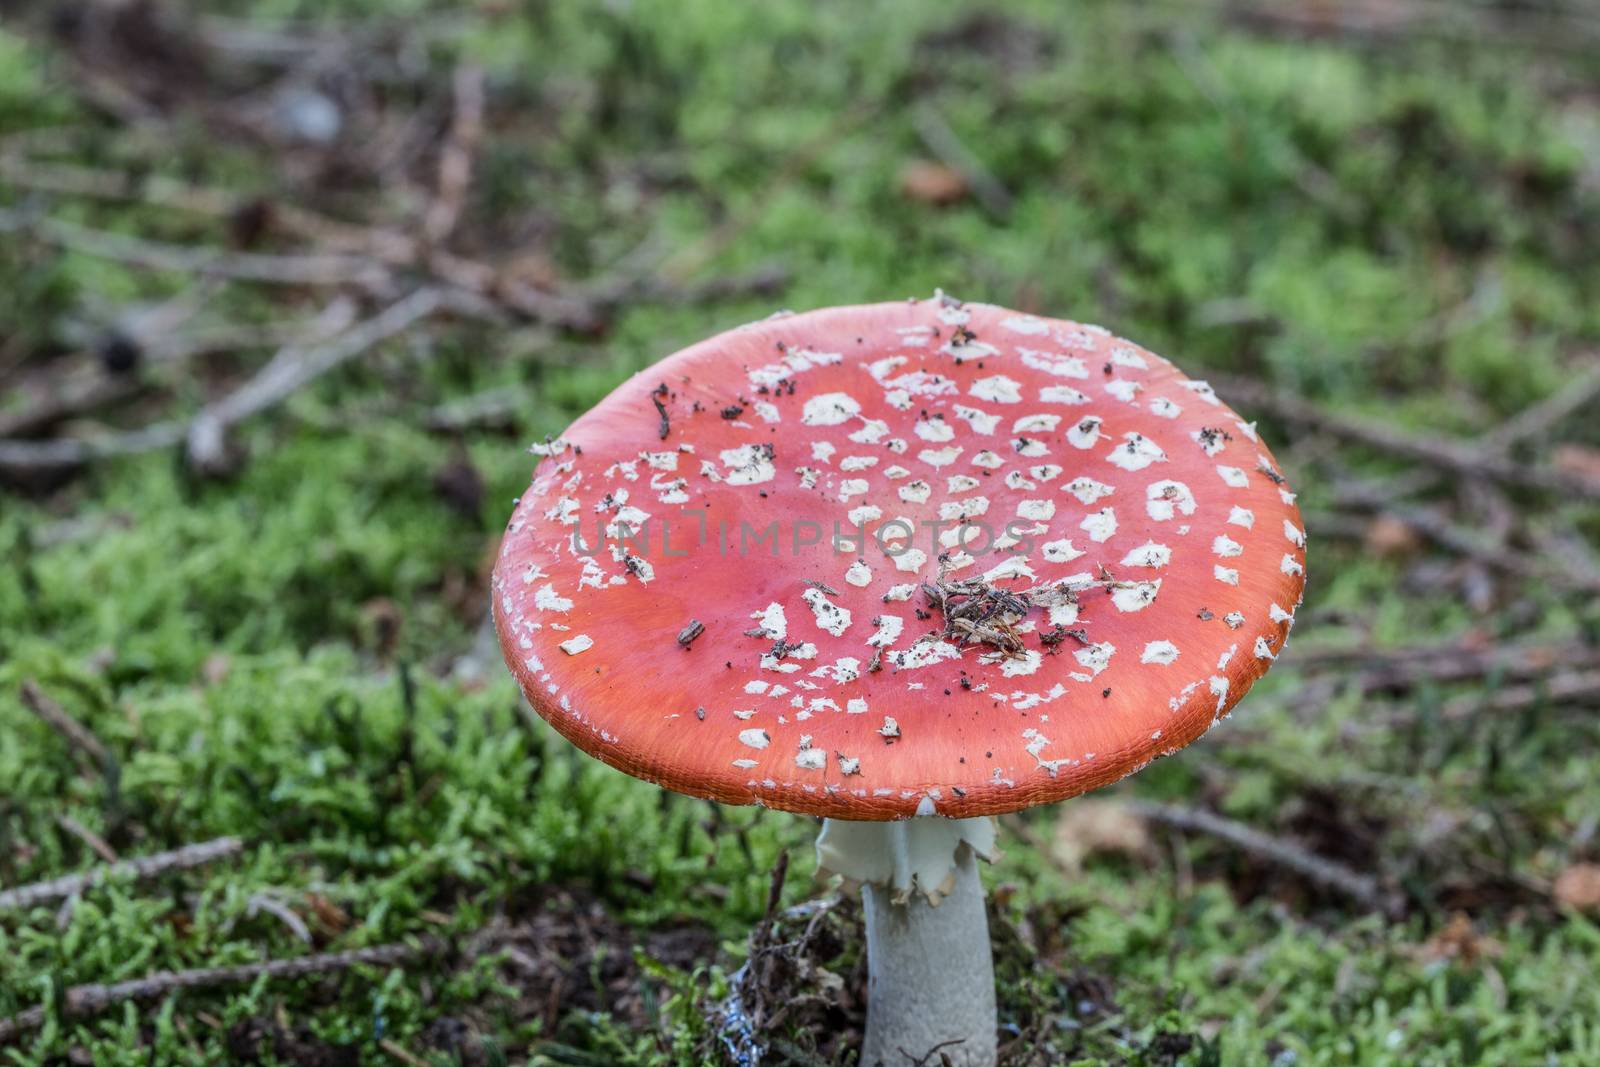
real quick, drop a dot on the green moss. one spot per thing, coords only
(295, 655)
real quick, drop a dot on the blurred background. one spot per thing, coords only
(288, 289)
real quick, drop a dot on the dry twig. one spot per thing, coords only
(1456, 456)
(182, 859)
(89, 999)
(57, 717)
(1361, 888)
(292, 368)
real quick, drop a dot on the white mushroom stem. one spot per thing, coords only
(930, 974)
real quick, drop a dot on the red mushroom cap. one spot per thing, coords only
(671, 598)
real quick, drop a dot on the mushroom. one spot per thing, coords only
(944, 561)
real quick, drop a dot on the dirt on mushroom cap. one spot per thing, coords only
(1130, 563)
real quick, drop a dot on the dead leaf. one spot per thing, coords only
(1579, 886)
(928, 182)
(1389, 538)
(332, 917)
(1457, 940)
(1579, 461)
(1089, 827)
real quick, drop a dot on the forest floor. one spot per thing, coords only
(288, 289)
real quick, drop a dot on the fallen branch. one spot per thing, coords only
(293, 367)
(1459, 457)
(1329, 874)
(300, 269)
(89, 999)
(145, 867)
(1538, 419)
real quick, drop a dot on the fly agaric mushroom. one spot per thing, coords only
(906, 567)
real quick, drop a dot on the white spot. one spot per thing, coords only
(848, 765)
(773, 623)
(1164, 500)
(1054, 363)
(852, 464)
(988, 459)
(1263, 649)
(830, 616)
(1226, 547)
(934, 429)
(575, 645)
(1088, 490)
(830, 409)
(1226, 575)
(971, 507)
(916, 492)
(911, 560)
(546, 599)
(1277, 614)
(1124, 390)
(1039, 510)
(980, 421)
(863, 514)
(853, 487)
(1025, 324)
(1135, 596)
(1162, 652)
(1164, 408)
(1290, 565)
(858, 574)
(924, 653)
(755, 737)
(748, 464)
(940, 457)
(1100, 525)
(888, 631)
(1095, 657)
(1150, 554)
(1233, 476)
(997, 389)
(1234, 619)
(811, 759)
(1085, 433)
(961, 483)
(1059, 551)
(872, 431)
(1027, 663)
(1295, 535)
(1036, 424)
(1136, 453)
(1241, 517)
(900, 592)
(1063, 394)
